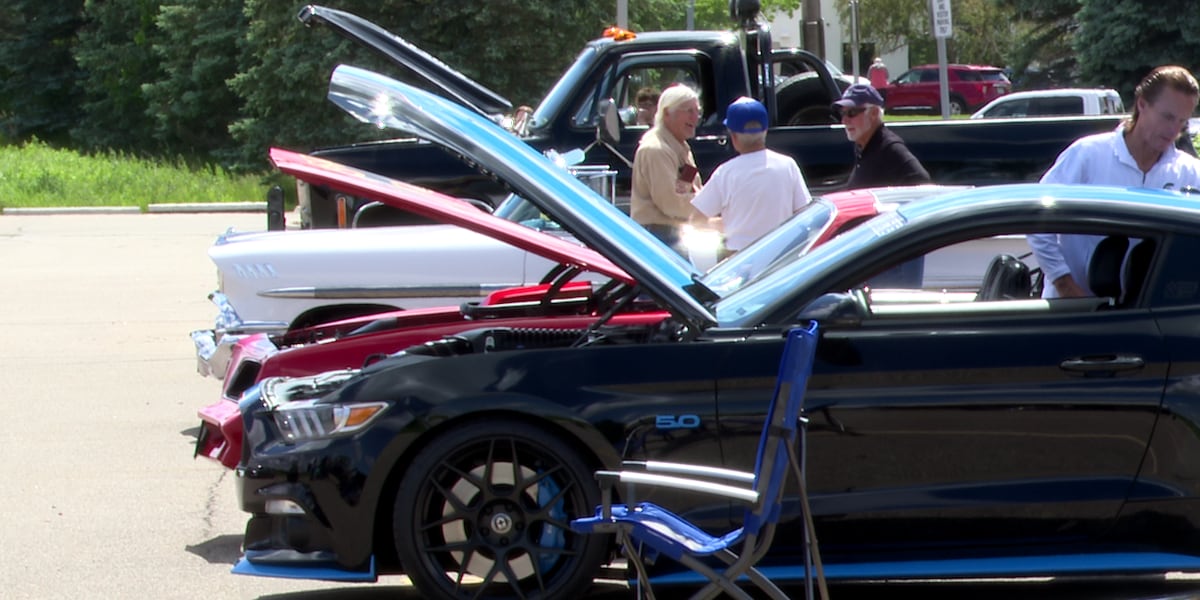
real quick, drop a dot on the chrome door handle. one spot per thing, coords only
(1098, 364)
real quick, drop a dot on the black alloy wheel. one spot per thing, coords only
(485, 512)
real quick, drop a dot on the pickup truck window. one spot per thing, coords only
(622, 81)
(650, 77)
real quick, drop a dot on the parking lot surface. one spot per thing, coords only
(101, 496)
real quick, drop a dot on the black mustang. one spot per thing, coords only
(960, 425)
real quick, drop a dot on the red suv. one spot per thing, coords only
(971, 86)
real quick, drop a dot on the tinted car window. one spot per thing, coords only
(1009, 109)
(1057, 105)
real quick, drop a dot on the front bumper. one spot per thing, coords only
(220, 436)
(214, 347)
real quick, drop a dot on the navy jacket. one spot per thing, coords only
(884, 161)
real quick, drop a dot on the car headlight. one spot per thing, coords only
(299, 414)
(307, 420)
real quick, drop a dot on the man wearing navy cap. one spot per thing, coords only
(880, 156)
(757, 190)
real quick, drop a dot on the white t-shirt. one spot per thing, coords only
(753, 193)
(1102, 159)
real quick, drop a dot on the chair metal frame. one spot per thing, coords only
(646, 525)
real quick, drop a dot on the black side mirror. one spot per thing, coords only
(835, 309)
(608, 127)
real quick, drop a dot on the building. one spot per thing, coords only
(785, 32)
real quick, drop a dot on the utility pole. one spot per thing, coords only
(813, 28)
(854, 38)
(623, 14)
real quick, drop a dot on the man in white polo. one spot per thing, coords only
(757, 190)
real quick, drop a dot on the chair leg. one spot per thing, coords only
(635, 558)
(718, 582)
(810, 533)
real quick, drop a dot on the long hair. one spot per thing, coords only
(1167, 76)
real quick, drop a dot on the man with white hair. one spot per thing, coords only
(880, 157)
(757, 190)
(665, 177)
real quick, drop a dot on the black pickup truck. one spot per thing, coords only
(797, 87)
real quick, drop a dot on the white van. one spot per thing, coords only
(1049, 103)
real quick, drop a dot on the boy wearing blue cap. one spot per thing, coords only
(880, 157)
(757, 190)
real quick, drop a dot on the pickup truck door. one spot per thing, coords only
(659, 69)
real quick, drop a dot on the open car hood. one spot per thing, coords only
(451, 83)
(387, 103)
(442, 208)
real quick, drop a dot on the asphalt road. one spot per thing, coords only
(99, 492)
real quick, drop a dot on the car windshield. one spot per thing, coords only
(779, 247)
(560, 94)
(740, 308)
(794, 238)
(519, 210)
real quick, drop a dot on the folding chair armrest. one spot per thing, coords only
(607, 480)
(703, 486)
(689, 470)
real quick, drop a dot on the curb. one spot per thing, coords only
(208, 207)
(77, 210)
(195, 207)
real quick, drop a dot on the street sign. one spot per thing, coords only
(942, 24)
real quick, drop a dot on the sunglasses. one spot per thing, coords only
(853, 112)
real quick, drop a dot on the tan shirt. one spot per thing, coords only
(655, 200)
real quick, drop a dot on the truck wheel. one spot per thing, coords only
(485, 511)
(957, 106)
(813, 115)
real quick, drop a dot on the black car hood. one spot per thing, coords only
(448, 82)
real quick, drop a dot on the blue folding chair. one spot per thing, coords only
(647, 525)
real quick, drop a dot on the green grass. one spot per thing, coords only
(35, 175)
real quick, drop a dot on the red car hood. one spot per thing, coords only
(444, 209)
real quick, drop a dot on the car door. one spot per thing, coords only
(905, 91)
(945, 423)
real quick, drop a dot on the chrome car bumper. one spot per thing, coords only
(214, 347)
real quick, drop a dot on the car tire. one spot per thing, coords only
(957, 106)
(459, 538)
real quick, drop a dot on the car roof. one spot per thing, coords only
(1059, 92)
(962, 67)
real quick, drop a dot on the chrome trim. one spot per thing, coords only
(404, 291)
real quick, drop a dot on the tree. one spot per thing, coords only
(1119, 42)
(39, 93)
(1043, 56)
(983, 29)
(191, 104)
(114, 50)
(517, 48)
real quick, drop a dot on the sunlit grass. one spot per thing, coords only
(35, 175)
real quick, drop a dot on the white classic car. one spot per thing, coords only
(273, 281)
